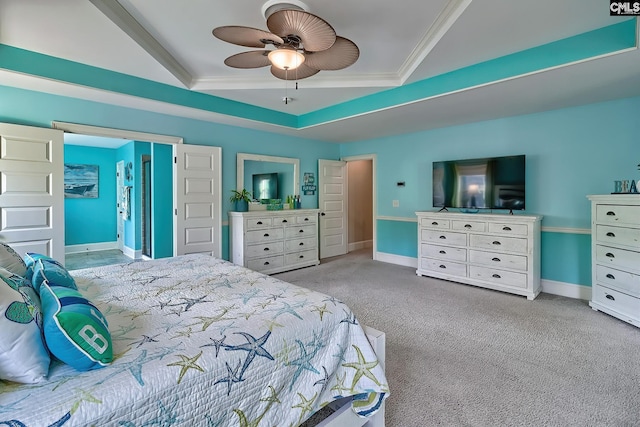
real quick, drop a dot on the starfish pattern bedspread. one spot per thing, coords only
(200, 341)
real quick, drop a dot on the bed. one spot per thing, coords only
(199, 341)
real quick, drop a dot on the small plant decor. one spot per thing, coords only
(241, 199)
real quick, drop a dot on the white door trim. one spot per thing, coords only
(116, 133)
(374, 203)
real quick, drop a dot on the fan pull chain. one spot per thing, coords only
(286, 79)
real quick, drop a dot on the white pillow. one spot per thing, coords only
(23, 355)
(11, 261)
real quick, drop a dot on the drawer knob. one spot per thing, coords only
(284, 220)
(505, 228)
(434, 223)
(259, 222)
(497, 243)
(306, 219)
(301, 256)
(265, 249)
(301, 244)
(301, 231)
(266, 263)
(611, 213)
(610, 234)
(442, 266)
(467, 226)
(443, 252)
(611, 276)
(443, 237)
(610, 255)
(496, 259)
(496, 276)
(611, 297)
(266, 235)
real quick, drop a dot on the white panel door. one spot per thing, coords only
(197, 204)
(333, 207)
(32, 189)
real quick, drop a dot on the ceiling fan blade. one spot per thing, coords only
(302, 72)
(342, 54)
(314, 32)
(252, 59)
(246, 36)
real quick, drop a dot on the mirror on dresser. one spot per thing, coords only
(286, 168)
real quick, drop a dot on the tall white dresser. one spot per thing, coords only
(495, 251)
(274, 241)
(615, 252)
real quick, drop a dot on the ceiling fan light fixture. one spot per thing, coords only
(286, 58)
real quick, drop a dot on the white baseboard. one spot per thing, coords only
(132, 253)
(406, 261)
(90, 247)
(360, 245)
(569, 290)
(565, 289)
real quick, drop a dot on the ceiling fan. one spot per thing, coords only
(305, 44)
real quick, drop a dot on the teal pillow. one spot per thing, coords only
(53, 272)
(30, 259)
(23, 355)
(74, 329)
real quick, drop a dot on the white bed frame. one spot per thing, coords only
(343, 415)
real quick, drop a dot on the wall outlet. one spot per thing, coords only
(396, 203)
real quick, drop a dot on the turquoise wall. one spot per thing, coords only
(162, 199)
(570, 153)
(92, 220)
(32, 108)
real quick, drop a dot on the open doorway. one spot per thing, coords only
(360, 209)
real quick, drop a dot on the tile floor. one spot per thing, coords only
(94, 259)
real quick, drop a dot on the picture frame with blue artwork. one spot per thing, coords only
(80, 181)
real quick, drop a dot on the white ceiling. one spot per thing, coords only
(400, 42)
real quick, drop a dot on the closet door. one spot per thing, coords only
(32, 189)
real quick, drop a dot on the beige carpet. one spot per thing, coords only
(458, 355)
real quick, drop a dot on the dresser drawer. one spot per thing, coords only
(267, 263)
(499, 243)
(443, 252)
(284, 220)
(623, 281)
(435, 223)
(499, 260)
(610, 235)
(261, 236)
(302, 256)
(301, 231)
(300, 244)
(443, 267)
(258, 223)
(607, 255)
(493, 275)
(444, 237)
(307, 219)
(616, 300)
(509, 229)
(468, 225)
(265, 249)
(616, 214)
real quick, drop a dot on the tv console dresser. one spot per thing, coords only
(494, 251)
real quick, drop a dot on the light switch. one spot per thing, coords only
(396, 203)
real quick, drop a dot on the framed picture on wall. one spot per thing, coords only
(80, 181)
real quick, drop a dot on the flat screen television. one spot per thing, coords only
(483, 183)
(265, 186)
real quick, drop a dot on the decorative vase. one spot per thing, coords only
(242, 205)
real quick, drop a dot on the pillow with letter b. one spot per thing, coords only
(53, 272)
(74, 329)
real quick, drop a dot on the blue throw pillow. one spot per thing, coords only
(53, 272)
(74, 329)
(30, 259)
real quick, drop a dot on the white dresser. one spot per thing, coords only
(495, 251)
(274, 241)
(615, 252)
